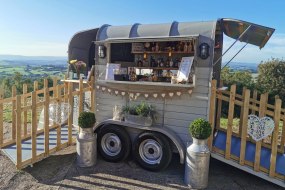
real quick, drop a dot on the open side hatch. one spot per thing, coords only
(256, 34)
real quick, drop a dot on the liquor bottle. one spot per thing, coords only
(171, 63)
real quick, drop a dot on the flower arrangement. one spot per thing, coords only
(77, 66)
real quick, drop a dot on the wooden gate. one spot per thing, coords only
(21, 139)
(231, 143)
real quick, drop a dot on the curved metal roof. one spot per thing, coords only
(174, 29)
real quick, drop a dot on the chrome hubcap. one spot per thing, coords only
(150, 151)
(111, 144)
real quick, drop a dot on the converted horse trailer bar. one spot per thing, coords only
(169, 66)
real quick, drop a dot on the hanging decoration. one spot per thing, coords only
(259, 128)
(133, 94)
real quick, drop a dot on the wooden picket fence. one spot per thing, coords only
(25, 107)
(249, 103)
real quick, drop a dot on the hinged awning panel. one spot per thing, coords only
(256, 35)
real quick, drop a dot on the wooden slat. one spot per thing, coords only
(1, 118)
(230, 121)
(46, 117)
(18, 132)
(70, 118)
(14, 92)
(81, 95)
(245, 110)
(282, 143)
(277, 111)
(92, 91)
(25, 91)
(34, 126)
(262, 112)
(66, 92)
(54, 85)
(58, 130)
(212, 111)
(254, 96)
(241, 111)
(219, 107)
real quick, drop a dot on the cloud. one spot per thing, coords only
(274, 48)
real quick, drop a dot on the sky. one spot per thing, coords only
(45, 27)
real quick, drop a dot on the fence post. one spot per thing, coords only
(34, 126)
(212, 111)
(244, 125)
(274, 145)
(1, 117)
(230, 121)
(80, 95)
(219, 107)
(70, 118)
(54, 84)
(241, 112)
(92, 91)
(254, 97)
(25, 91)
(282, 144)
(14, 93)
(18, 111)
(46, 117)
(262, 111)
(58, 129)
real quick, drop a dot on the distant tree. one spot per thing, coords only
(271, 78)
(240, 78)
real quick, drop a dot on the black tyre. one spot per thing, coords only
(152, 151)
(114, 143)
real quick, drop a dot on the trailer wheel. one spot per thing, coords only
(152, 151)
(114, 143)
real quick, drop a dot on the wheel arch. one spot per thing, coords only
(168, 133)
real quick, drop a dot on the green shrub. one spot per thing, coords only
(86, 119)
(200, 129)
(143, 109)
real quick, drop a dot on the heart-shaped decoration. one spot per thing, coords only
(109, 90)
(123, 93)
(155, 95)
(146, 95)
(103, 88)
(138, 94)
(116, 92)
(59, 113)
(163, 95)
(190, 91)
(171, 94)
(97, 87)
(178, 93)
(258, 128)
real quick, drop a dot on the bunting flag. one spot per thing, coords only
(135, 94)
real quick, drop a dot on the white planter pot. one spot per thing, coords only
(86, 147)
(135, 119)
(197, 164)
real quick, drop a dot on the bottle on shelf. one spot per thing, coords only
(139, 63)
(171, 63)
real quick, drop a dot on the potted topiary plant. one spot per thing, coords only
(198, 155)
(143, 114)
(86, 140)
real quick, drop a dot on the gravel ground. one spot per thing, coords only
(59, 171)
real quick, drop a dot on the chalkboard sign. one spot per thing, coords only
(185, 68)
(121, 52)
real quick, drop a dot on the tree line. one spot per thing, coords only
(270, 79)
